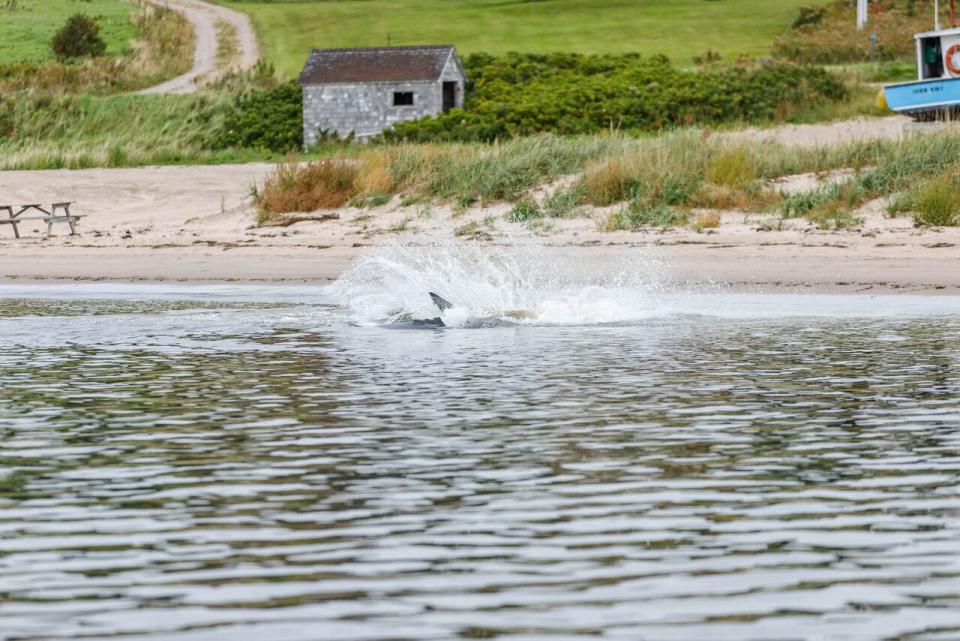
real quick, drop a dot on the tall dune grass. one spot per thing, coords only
(669, 170)
(911, 168)
(658, 179)
(75, 132)
(292, 187)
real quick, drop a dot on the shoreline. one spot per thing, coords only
(761, 270)
(195, 224)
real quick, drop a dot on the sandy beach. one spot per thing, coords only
(196, 224)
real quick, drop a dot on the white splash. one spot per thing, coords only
(524, 283)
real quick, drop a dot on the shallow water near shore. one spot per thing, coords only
(251, 463)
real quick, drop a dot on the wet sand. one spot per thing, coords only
(823, 268)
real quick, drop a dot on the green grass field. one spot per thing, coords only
(27, 26)
(680, 29)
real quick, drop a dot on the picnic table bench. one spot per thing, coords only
(49, 216)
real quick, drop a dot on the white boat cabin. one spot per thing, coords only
(938, 54)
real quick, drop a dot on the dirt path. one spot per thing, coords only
(205, 18)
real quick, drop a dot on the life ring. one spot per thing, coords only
(953, 54)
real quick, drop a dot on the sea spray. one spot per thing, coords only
(520, 283)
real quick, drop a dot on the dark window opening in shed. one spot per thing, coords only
(402, 98)
(449, 96)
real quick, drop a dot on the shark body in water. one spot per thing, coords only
(443, 305)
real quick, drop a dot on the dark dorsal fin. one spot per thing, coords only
(442, 303)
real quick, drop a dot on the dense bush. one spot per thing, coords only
(270, 119)
(523, 94)
(293, 187)
(79, 38)
(936, 201)
(809, 15)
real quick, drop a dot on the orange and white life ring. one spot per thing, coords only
(953, 60)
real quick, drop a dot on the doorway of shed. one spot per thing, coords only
(449, 96)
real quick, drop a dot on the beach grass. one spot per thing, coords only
(680, 30)
(934, 201)
(937, 201)
(672, 170)
(657, 181)
(918, 175)
(124, 130)
(296, 187)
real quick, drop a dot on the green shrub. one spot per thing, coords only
(828, 206)
(640, 213)
(808, 15)
(564, 203)
(475, 230)
(524, 94)
(79, 38)
(270, 119)
(901, 203)
(833, 215)
(524, 211)
(937, 202)
(800, 204)
(292, 187)
(829, 38)
(734, 168)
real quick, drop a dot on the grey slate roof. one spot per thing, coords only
(379, 64)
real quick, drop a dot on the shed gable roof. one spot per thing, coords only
(378, 64)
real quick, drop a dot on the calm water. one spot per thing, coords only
(247, 464)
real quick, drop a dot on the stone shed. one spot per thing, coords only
(364, 91)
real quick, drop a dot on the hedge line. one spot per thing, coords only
(524, 94)
(567, 94)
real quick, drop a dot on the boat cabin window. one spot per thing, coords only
(931, 57)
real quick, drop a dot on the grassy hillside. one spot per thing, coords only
(112, 131)
(680, 29)
(27, 26)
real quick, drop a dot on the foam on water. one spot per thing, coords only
(391, 284)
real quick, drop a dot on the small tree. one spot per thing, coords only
(79, 38)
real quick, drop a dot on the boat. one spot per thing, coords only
(936, 92)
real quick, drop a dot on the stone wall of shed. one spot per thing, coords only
(364, 109)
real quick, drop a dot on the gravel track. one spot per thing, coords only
(204, 16)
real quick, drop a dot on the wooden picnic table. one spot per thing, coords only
(57, 213)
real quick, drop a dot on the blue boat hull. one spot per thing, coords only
(925, 96)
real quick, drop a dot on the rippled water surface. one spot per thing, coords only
(246, 464)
